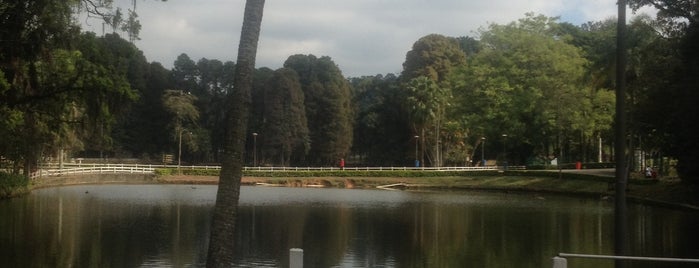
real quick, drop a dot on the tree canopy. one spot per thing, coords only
(535, 89)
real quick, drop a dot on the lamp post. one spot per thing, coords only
(483, 151)
(254, 149)
(417, 161)
(504, 151)
(179, 149)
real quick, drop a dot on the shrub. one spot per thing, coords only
(11, 185)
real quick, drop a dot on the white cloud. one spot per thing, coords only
(364, 37)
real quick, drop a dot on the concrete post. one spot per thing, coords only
(559, 262)
(296, 258)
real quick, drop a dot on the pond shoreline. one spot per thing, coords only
(667, 193)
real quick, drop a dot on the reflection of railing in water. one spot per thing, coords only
(53, 169)
(560, 261)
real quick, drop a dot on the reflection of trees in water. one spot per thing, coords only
(273, 231)
(419, 235)
(73, 232)
(84, 230)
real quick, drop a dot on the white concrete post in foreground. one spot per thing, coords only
(559, 262)
(296, 258)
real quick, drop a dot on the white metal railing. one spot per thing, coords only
(143, 169)
(368, 168)
(266, 168)
(560, 261)
(54, 169)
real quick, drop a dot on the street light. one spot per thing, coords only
(179, 148)
(483, 151)
(254, 149)
(417, 162)
(504, 151)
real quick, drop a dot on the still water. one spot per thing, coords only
(168, 226)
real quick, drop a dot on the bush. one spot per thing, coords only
(12, 185)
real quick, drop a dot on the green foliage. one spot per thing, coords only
(180, 105)
(433, 56)
(382, 133)
(674, 17)
(207, 81)
(11, 185)
(542, 82)
(284, 132)
(528, 83)
(425, 71)
(328, 111)
(185, 73)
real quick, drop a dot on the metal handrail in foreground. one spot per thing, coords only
(560, 261)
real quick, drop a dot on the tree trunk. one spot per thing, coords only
(221, 245)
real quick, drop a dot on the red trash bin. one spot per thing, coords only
(578, 165)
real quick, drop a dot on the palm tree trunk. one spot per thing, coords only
(221, 245)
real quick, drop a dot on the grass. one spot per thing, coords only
(639, 189)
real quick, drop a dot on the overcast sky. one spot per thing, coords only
(363, 37)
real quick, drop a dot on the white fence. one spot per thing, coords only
(96, 169)
(54, 169)
(369, 168)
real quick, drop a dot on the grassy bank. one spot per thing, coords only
(670, 192)
(12, 185)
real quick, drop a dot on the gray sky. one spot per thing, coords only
(363, 37)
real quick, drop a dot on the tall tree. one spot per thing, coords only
(141, 130)
(38, 47)
(30, 31)
(676, 100)
(185, 74)
(284, 127)
(527, 83)
(327, 98)
(425, 74)
(433, 56)
(426, 103)
(184, 118)
(382, 133)
(256, 121)
(221, 246)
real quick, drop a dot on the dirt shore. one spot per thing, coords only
(660, 192)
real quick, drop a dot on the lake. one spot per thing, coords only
(168, 226)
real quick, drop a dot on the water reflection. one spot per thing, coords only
(168, 226)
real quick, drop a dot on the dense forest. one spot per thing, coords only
(522, 93)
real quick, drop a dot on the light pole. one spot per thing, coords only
(417, 161)
(504, 151)
(483, 151)
(179, 149)
(254, 149)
